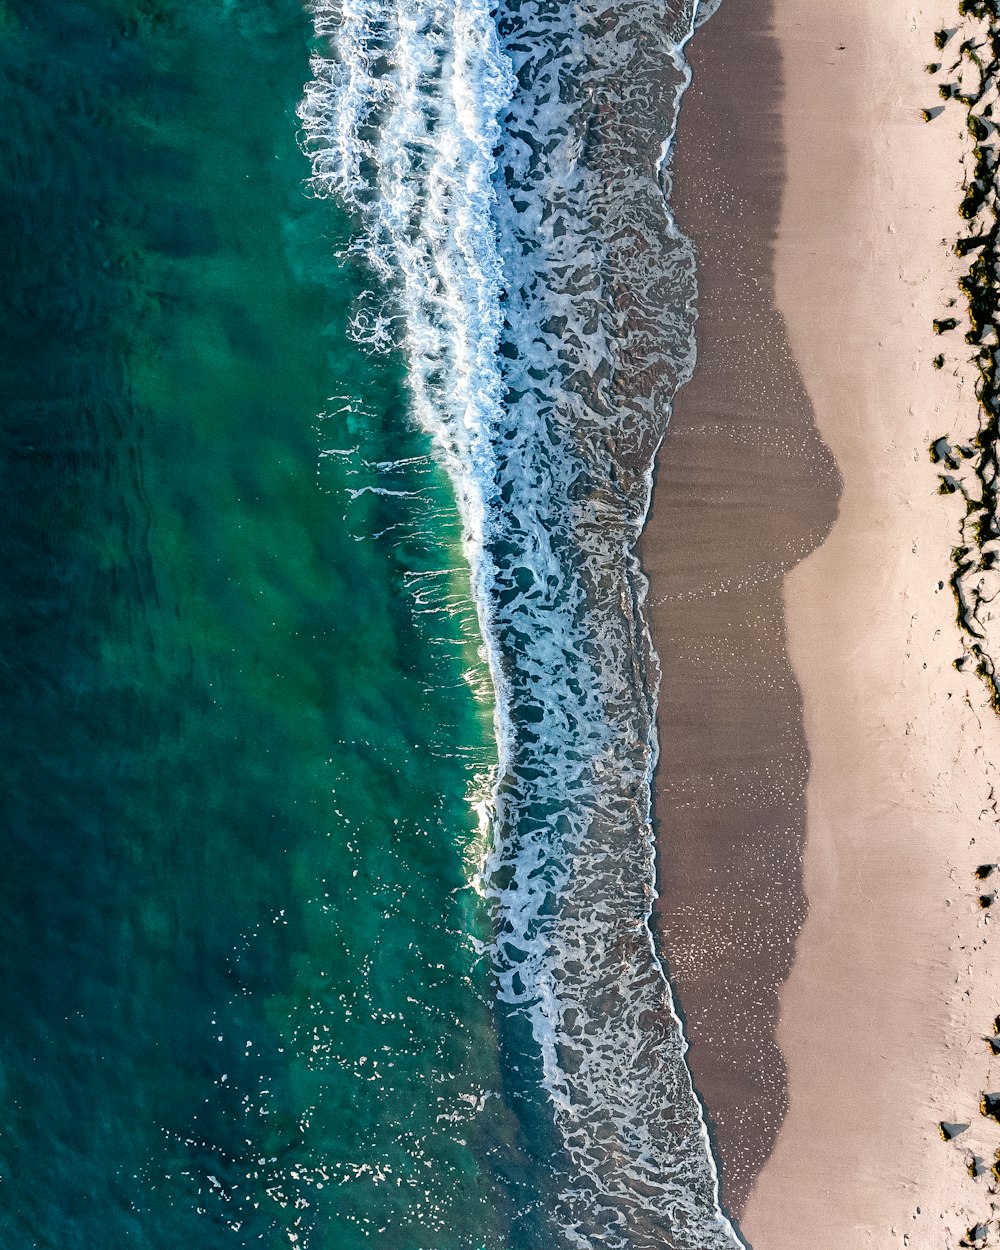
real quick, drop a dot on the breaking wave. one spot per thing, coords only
(508, 169)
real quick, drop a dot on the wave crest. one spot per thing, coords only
(545, 300)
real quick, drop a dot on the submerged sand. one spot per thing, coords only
(819, 749)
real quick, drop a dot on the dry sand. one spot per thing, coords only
(894, 986)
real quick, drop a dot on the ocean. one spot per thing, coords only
(340, 340)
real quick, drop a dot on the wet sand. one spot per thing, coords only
(825, 790)
(745, 488)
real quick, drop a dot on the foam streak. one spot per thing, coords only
(545, 302)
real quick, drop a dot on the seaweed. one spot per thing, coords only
(980, 8)
(941, 453)
(964, 246)
(989, 1106)
(974, 77)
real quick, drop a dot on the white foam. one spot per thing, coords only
(545, 380)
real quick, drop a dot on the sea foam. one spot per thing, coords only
(508, 170)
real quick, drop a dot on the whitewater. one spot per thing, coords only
(508, 169)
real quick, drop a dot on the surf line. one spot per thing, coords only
(537, 365)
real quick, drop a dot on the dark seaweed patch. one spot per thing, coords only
(989, 1106)
(975, 75)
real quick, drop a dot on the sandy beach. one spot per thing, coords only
(827, 785)
(745, 488)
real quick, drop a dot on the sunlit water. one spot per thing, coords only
(328, 693)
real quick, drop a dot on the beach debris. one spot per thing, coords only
(964, 246)
(993, 1043)
(975, 1236)
(976, 1167)
(986, 900)
(973, 83)
(949, 1130)
(984, 870)
(989, 1106)
(941, 453)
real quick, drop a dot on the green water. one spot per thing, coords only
(241, 998)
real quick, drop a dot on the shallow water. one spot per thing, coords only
(244, 1002)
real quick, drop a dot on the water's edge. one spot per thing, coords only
(510, 176)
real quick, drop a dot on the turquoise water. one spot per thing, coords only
(243, 706)
(307, 942)
(507, 163)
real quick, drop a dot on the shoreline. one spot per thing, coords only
(744, 488)
(823, 205)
